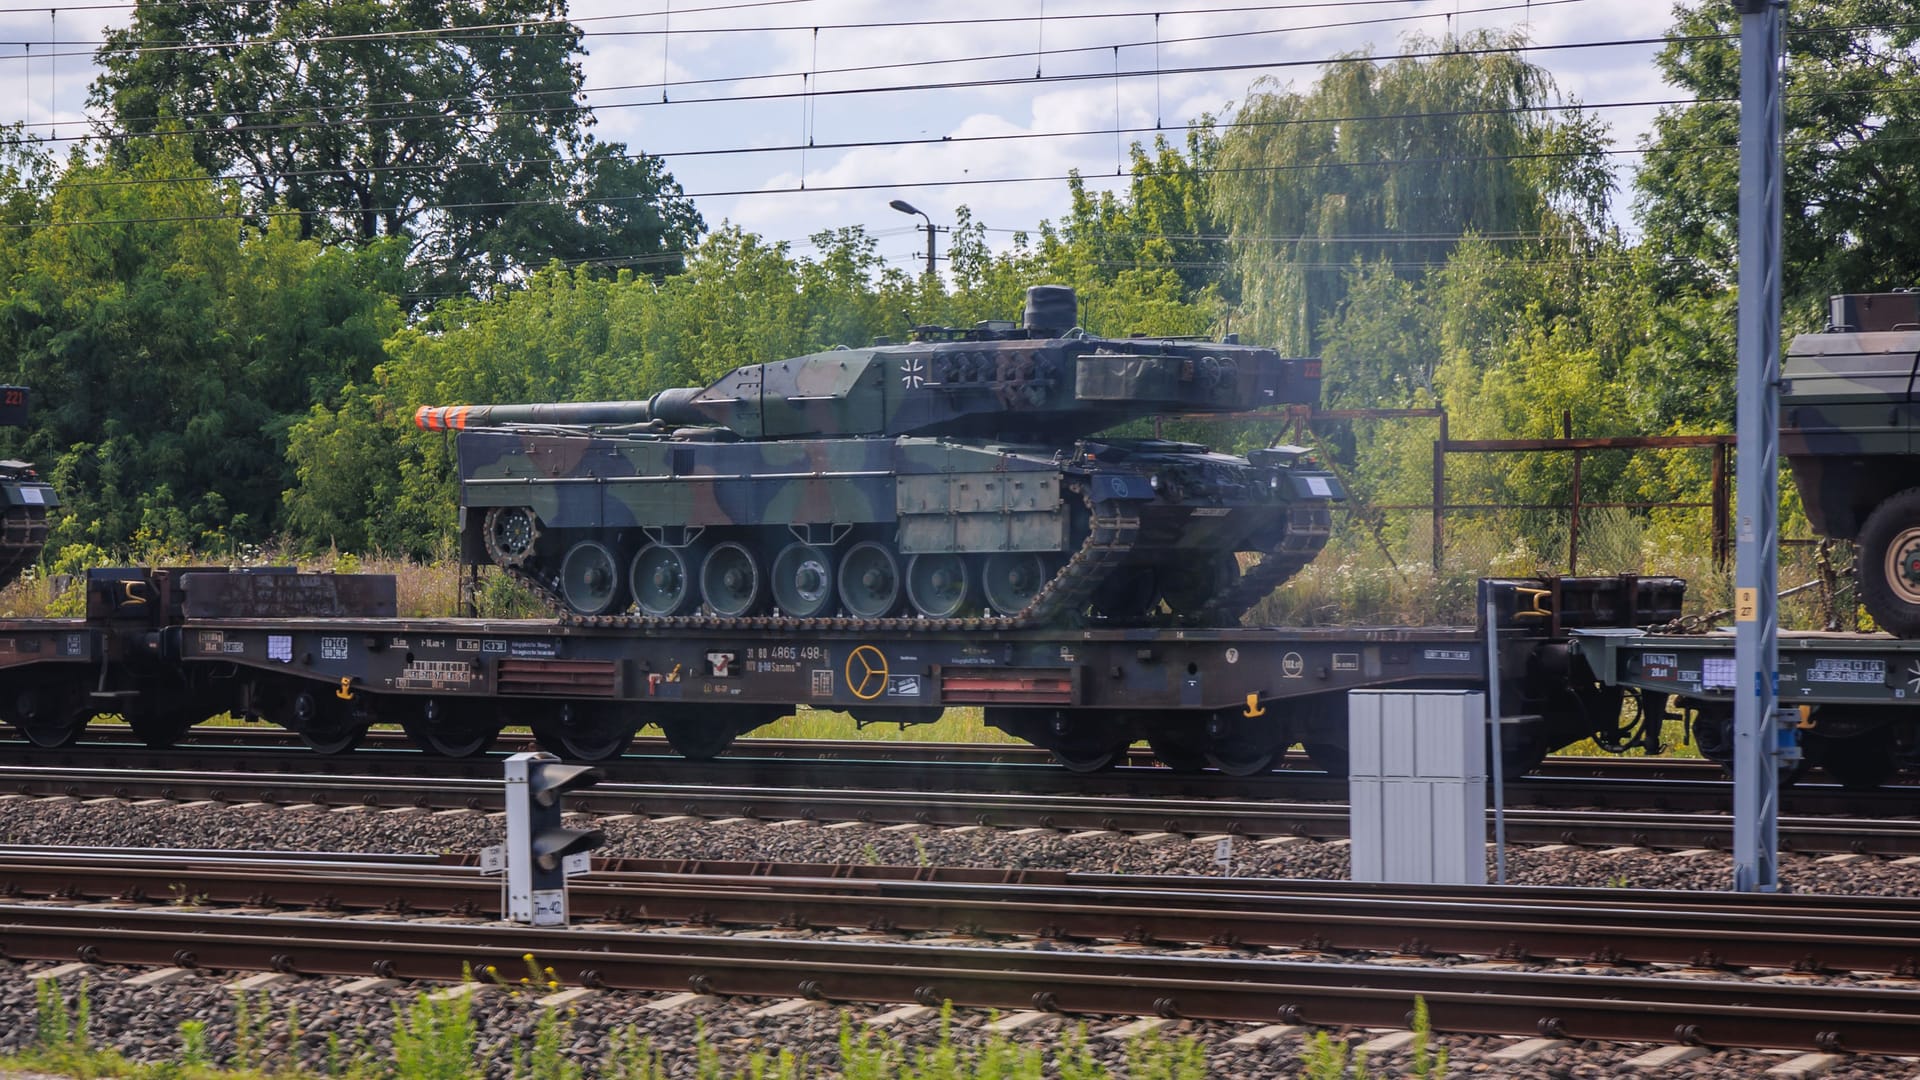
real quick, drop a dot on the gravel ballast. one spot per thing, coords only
(145, 1023)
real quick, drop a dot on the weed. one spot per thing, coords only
(434, 1039)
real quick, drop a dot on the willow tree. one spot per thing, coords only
(1393, 161)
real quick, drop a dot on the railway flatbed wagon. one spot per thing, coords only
(1857, 693)
(325, 657)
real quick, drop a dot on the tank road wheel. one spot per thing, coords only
(1190, 586)
(1889, 564)
(662, 580)
(731, 581)
(586, 732)
(870, 581)
(802, 581)
(590, 578)
(437, 731)
(511, 532)
(1011, 580)
(937, 585)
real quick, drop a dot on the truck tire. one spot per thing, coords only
(1889, 564)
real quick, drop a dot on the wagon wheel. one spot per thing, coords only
(326, 724)
(434, 730)
(586, 732)
(161, 727)
(49, 716)
(1089, 755)
(698, 739)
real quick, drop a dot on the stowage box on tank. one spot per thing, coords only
(960, 475)
(1850, 428)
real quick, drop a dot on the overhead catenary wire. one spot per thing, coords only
(973, 181)
(969, 181)
(756, 77)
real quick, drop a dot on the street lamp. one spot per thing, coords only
(906, 207)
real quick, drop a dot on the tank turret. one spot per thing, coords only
(1044, 381)
(962, 475)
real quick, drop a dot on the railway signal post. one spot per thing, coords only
(539, 843)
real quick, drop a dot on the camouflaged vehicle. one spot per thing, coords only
(1850, 428)
(24, 498)
(959, 476)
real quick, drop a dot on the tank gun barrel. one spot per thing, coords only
(667, 405)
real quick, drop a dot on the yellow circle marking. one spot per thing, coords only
(867, 672)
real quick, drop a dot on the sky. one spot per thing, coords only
(1009, 96)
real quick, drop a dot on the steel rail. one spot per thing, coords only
(1713, 1012)
(1248, 818)
(1626, 783)
(1692, 929)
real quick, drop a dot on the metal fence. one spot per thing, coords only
(1614, 504)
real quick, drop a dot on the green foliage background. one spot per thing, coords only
(209, 373)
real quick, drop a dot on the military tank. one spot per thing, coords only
(960, 477)
(24, 498)
(1849, 418)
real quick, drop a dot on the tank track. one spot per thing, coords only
(1309, 527)
(23, 533)
(1108, 543)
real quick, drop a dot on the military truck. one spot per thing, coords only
(966, 475)
(24, 497)
(1850, 429)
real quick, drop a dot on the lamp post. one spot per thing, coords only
(906, 207)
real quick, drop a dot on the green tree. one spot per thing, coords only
(454, 123)
(1851, 113)
(1394, 162)
(170, 351)
(1164, 220)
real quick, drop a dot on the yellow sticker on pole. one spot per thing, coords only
(1746, 605)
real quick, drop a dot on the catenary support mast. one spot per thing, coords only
(1758, 726)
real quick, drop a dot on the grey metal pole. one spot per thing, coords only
(1757, 725)
(1498, 738)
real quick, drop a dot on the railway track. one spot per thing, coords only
(1221, 985)
(1820, 934)
(1248, 818)
(1670, 784)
